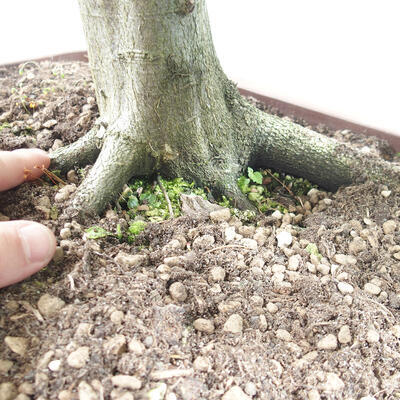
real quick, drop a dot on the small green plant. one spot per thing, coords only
(261, 186)
(146, 199)
(312, 248)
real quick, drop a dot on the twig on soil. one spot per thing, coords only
(29, 308)
(285, 186)
(170, 210)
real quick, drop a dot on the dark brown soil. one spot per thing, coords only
(281, 323)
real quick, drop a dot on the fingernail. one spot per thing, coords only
(37, 242)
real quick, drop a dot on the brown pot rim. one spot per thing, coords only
(292, 110)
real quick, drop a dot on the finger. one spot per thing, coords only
(25, 248)
(19, 165)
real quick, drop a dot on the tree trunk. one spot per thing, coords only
(167, 107)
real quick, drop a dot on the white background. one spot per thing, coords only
(339, 57)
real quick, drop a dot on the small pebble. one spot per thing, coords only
(65, 233)
(396, 331)
(58, 255)
(284, 335)
(178, 291)
(86, 392)
(50, 306)
(272, 308)
(131, 260)
(49, 123)
(389, 227)
(126, 382)
(235, 393)
(8, 391)
(204, 325)
(201, 364)
(372, 336)
(250, 244)
(136, 346)
(79, 357)
(357, 245)
(284, 239)
(54, 365)
(386, 193)
(313, 394)
(217, 274)
(117, 317)
(116, 345)
(234, 324)
(344, 259)
(294, 262)
(204, 241)
(278, 268)
(345, 288)
(344, 335)
(372, 289)
(17, 344)
(328, 342)
(250, 389)
(220, 215)
(5, 366)
(333, 383)
(229, 234)
(26, 388)
(323, 269)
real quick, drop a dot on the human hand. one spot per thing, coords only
(25, 246)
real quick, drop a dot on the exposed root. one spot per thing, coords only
(80, 153)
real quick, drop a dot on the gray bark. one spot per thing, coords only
(167, 107)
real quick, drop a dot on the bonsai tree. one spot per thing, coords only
(166, 107)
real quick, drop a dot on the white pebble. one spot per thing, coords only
(333, 383)
(396, 331)
(126, 382)
(328, 342)
(372, 336)
(272, 308)
(234, 324)
(235, 393)
(294, 262)
(345, 288)
(284, 239)
(201, 364)
(386, 193)
(178, 291)
(204, 325)
(389, 227)
(136, 346)
(278, 268)
(250, 244)
(344, 335)
(372, 289)
(313, 394)
(54, 365)
(217, 274)
(250, 389)
(344, 259)
(323, 269)
(283, 334)
(229, 234)
(79, 357)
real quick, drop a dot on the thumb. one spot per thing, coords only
(25, 248)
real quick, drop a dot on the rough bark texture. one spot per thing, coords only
(167, 107)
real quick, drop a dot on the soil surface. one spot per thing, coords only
(304, 305)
